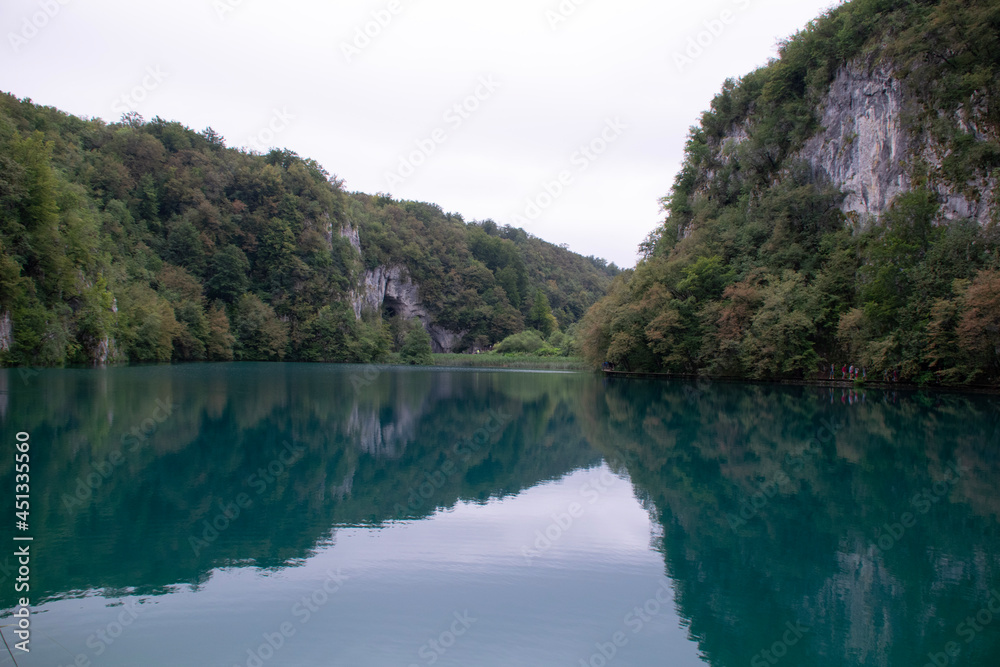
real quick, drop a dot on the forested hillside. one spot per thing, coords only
(837, 206)
(149, 242)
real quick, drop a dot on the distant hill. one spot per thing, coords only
(835, 207)
(148, 241)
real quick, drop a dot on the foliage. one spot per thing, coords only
(540, 317)
(478, 278)
(531, 342)
(260, 335)
(526, 342)
(756, 272)
(416, 349)
(147, 241)
(518, 361)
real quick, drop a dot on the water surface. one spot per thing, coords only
(255, 514)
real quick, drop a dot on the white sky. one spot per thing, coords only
(244, 67)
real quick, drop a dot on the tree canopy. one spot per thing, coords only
(757, 273)
(150, 242)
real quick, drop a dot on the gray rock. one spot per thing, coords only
(865, 148)
(391, 286)
(6, 332)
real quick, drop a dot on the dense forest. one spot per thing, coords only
(757, 271)
(150, 242)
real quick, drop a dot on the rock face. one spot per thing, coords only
(862, 147)
(6, 332)
(865, 148)
(351, 234)
(391, 284)
(391, 287)
(106, 351)
(443, 340)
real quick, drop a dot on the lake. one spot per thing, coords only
(259, 515)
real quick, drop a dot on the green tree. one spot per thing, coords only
(416, 348)
(229, 275)
(219, 343)
(146, 325)
(525, 342)
(540, 317)
(779, 341)
(260, 335)
(333, 335)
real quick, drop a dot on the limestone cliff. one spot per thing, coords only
(869, 144)
(390, 287)
(866, 148)
(351, 233)
(6, 332)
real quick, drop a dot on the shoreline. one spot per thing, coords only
(567, 364)
(815, 382)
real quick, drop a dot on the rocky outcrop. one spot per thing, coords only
(390, 287)
(6, 332)
(105, 352)
(866, 149)
(387, 283)
(353, 237)
(862, 147)
(443, 340)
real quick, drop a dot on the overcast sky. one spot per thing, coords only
(579, 107)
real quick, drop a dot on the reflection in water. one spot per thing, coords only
(831, 528)
(142, 463)
(850, 518)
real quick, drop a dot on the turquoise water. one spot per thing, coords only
(254, 514)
